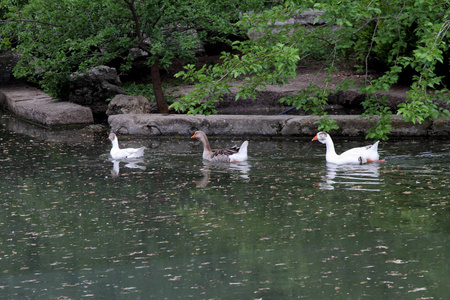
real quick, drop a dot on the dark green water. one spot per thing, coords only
(284, 225)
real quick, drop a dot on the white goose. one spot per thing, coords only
(127, 153)
(359, 155)
(226, 155)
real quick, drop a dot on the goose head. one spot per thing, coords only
(321, 137)
(112, 137)
(200, 135)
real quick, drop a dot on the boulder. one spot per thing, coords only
(95, 86)
(124, 104)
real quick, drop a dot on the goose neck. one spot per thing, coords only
(115, 143)
(330, 147)
(206, 147)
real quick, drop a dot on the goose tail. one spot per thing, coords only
(140, 151)
(375, 146)
(243, 148)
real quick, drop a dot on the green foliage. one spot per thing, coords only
(139, 89)
(278, 62)
(313, 99)
(422, 107)
(403, 36)
(377, 108)
(56, 38)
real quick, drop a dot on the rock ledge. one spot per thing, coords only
(34, 105)
(259, 125)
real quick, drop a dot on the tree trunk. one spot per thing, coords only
(163, 108)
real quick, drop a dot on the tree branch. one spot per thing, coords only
(130, 4)
(370, 49)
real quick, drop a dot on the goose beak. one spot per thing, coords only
(193, 137)
(314, 138)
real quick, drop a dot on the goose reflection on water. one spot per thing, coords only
(352, 177)
(242, 167)
(131, 164)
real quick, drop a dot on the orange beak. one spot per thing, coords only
(314, 138)
(193, 137)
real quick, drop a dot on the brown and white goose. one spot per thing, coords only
(226, 155)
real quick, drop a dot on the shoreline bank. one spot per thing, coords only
(35, 106)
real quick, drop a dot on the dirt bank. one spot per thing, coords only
(267, 101)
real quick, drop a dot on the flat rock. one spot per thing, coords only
(259, 125)
(83, 135)
(34, 105)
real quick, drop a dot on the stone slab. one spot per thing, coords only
(34, 105)
(81, 135)
(259, 125)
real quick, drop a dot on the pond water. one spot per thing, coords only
(282, 225)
